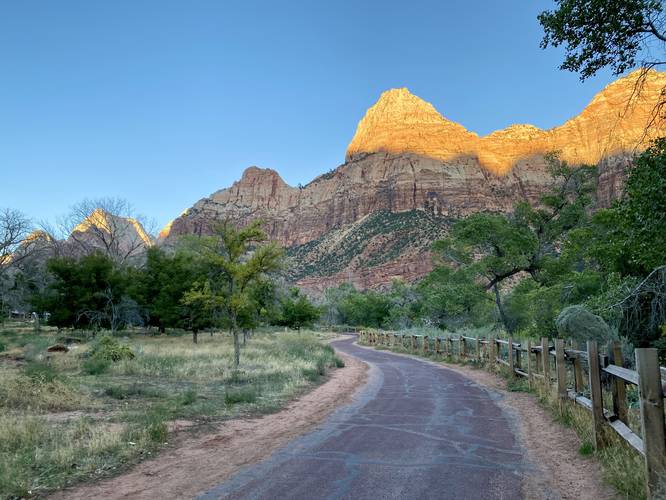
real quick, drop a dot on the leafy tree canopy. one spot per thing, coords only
(602, 33)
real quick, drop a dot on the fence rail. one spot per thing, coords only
(577, 375)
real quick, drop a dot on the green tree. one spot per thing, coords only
(88, 293)
(161, 285)
(495, 247)
(598, 34)
(450, 298)
(629, 238)
(297, 310)
(235, 261)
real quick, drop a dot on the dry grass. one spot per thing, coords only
(120, 412)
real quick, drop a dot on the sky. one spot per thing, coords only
(163, 102)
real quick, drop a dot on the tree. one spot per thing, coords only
(235, 259)
(297, 310)
(450, 298)
(88, 293)
(14, 230)
(604, 33)
(160, 285)
(497, 247)
(107, 225)
(629, 238)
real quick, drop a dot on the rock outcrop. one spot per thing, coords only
(406, 157)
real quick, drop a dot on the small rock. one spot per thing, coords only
(58, 348)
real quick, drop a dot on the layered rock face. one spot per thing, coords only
(406, 157)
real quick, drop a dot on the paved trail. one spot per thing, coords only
(415, 431)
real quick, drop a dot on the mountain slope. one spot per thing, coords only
(406, 157)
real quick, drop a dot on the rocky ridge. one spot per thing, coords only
(406, 157)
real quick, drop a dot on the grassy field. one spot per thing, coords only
(71, 416)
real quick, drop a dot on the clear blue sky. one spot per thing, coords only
(164, 102)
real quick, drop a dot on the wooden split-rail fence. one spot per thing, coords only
(578, 377)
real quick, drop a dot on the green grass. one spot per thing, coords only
(67, 417)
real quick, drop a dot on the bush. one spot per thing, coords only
(578, 323)
(39, 372)
(110, 349)
(95, 365)
(236, 395)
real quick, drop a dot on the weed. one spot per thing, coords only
(111, 349)
(237, 395)
(95, 365)
(40, 372)
(586, 448)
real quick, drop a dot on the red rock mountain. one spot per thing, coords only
(409, 172)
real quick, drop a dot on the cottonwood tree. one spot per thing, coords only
(615, 34)
(15, 228)
(496, 247)
(236, 260)
(109, 225)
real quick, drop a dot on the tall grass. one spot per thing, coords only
(124, 407)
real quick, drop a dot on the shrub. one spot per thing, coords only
(236, 395)
(39, 372)
(578, 323)
(110, 349)
(95, 365)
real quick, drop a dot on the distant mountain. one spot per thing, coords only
(409, 172)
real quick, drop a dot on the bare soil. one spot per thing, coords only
(562, 473)
(194, 464)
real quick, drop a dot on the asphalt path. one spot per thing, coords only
(414, 430)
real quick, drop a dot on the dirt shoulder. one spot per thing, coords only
(194, 464)
(561, 472)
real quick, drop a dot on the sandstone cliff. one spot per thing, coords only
(406, 157)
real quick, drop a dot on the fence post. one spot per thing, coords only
(596, 394)
(652, 416)
(561, 372)
(493, 356)
(511, 356)
(463, 347)
(426, 344)
(529, 363)
(619, 388)
(545, 357)
(413, 342)
(478, 349)
(578, 374)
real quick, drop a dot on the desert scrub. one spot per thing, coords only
(80, 414)
(37, 455)
(41, 392)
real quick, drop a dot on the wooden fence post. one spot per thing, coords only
(619, 387)
(463, 347)
(545, 357)
(596, 394)
(511, 356)
(426, 344)
(493, 356)
(652, 417)
(578, 375)
(413, 342)
(561, 371)
(529, 363)
(478, 349)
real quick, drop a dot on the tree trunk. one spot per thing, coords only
(500, 308)
(234, 332)
(195, 338)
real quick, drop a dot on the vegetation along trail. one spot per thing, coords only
(414, 431)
